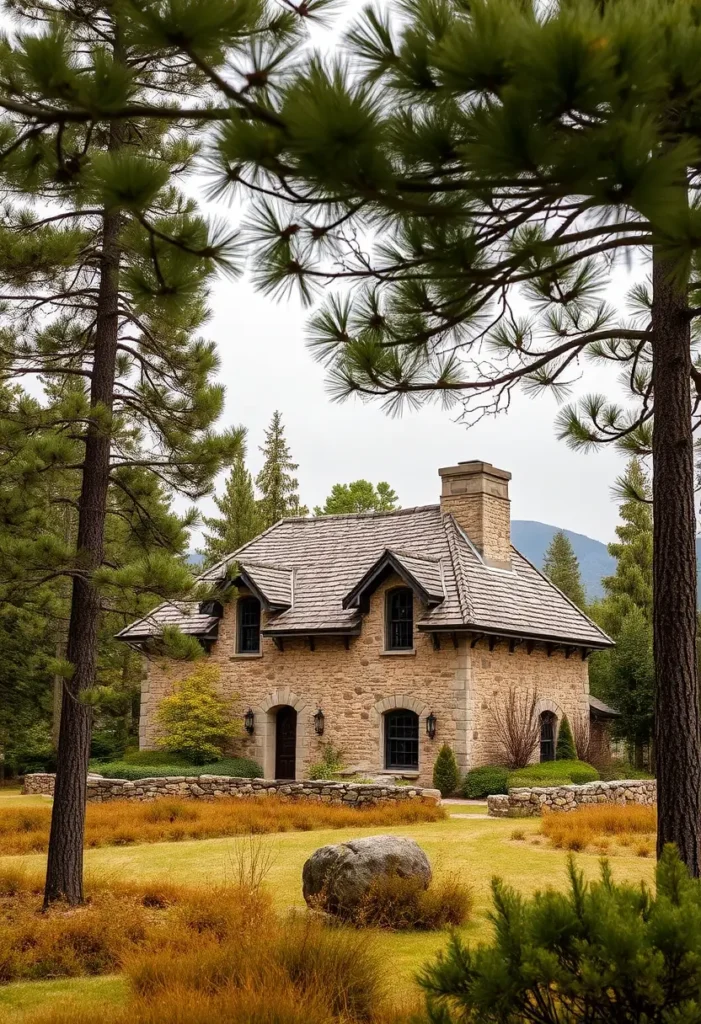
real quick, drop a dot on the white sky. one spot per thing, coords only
(265, 366)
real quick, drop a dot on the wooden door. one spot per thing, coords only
(285, 743)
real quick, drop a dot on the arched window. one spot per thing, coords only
(249, 626)
(400, 619)
(547, 736)
(402, 740)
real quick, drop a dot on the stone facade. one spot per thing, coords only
(525, 802)
(461, 685)
(101, 790)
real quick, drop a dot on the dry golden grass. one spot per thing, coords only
(603, 827)
(403, 904)
(123, 822)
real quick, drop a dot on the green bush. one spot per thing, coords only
(485, 781)
(153, 757)
(195, 720)
(235, 767)
(554, 773)
(446, 774)
(565, 749)
(620, 769)
(603, 951)
(331, 762)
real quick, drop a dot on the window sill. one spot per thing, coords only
(406, 773)
(409, 653)
(245, 657)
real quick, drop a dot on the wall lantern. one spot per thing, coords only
(319, 723)
(431, 726)
(249, 720)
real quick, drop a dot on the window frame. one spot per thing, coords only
(244, 603)
(548, 718)
(391, 621)
(389, 739)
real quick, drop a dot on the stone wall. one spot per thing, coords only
(101, 790)
(529, 803)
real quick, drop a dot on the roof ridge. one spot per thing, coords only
(357, 515)
(461, 585)
(414, 554)
(264, 565)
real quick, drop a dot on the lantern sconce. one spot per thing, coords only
(431, 726)
(319, 723)
(249, 721)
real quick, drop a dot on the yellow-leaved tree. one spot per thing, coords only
(195, 720)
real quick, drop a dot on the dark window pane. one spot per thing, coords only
(400, 619)
(402, 740)
(249, 625)
(547, 736)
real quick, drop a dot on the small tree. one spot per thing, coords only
(195, 721)
(359, 496)
(446, 774)
(239, 520)
(517, 727)
(565, 750)
(581, 736)
(277, 485)
(600, 952)
(561, 566)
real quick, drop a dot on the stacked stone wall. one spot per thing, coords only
(526, 802)
(211, 787)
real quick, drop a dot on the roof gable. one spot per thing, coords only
(272, 584)
(423, 575)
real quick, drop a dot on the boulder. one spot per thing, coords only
(337, 877)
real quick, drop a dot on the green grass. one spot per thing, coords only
(14, 797)
(19, 1001)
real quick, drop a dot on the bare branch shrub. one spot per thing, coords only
(517, 727)
(581, 737)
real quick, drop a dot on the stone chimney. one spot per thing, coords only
(477, 496)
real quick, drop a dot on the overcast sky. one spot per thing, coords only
(265, 366)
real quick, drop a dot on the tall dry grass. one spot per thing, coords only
(26, 829)
(603, 826)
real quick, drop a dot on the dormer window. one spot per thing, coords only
(400, 619)
(249, 625)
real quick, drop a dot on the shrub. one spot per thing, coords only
(565, 749)
(485, 781)
(601, 951)
(331, 762)
(400, 903)
(517, 727)
(590, 825)
(554, 773)
(446, 775)
(152, 757)
(617, 768)
(234, 767)
(194, 719)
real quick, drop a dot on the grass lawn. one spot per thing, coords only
(20, 1000)
(12, 796)
(476, 849)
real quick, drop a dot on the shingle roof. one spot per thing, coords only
(599, 708)
(272, 583)
(185, 615)
(328, 556)
(424, 575)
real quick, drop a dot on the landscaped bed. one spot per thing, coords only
(122, 822)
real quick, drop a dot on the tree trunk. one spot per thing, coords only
(677, 729)
(64, 874)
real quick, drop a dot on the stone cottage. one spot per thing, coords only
(387, 634)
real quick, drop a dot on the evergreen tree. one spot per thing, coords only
(358, 496)
(565, 749)
(561, 565)
(631, 584)
(275, 481)
(239, 520)
(510, 151)
(446, 774)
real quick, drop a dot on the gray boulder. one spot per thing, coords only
(337, 877)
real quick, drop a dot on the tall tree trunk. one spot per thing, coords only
(677, 727)
(64, 875)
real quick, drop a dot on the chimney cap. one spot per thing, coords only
(472, 467)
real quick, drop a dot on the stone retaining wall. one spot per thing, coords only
(529, 802)
(100, 790)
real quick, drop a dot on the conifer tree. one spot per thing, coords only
(565, 749)
(358, 496)
(239, 520)
(631, 584)
(503, 151)
(278, 487)
(561, 565)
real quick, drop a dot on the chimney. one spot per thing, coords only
(477, 496)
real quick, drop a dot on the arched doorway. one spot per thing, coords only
(286, 743)
(547, 736)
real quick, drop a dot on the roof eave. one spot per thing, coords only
(462, 627)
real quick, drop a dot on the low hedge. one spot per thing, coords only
(236, 767)
(490, 780)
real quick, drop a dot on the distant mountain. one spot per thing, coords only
(532, 540)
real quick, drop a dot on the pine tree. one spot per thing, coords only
(565, 749)
(631, 584)
(277, 485)
(561, 565)
(239, 520)
(446, 774)
(358, 496)
(542, 143)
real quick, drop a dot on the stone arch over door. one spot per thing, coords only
(265, 732)
(397, 701)
(548, 707)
